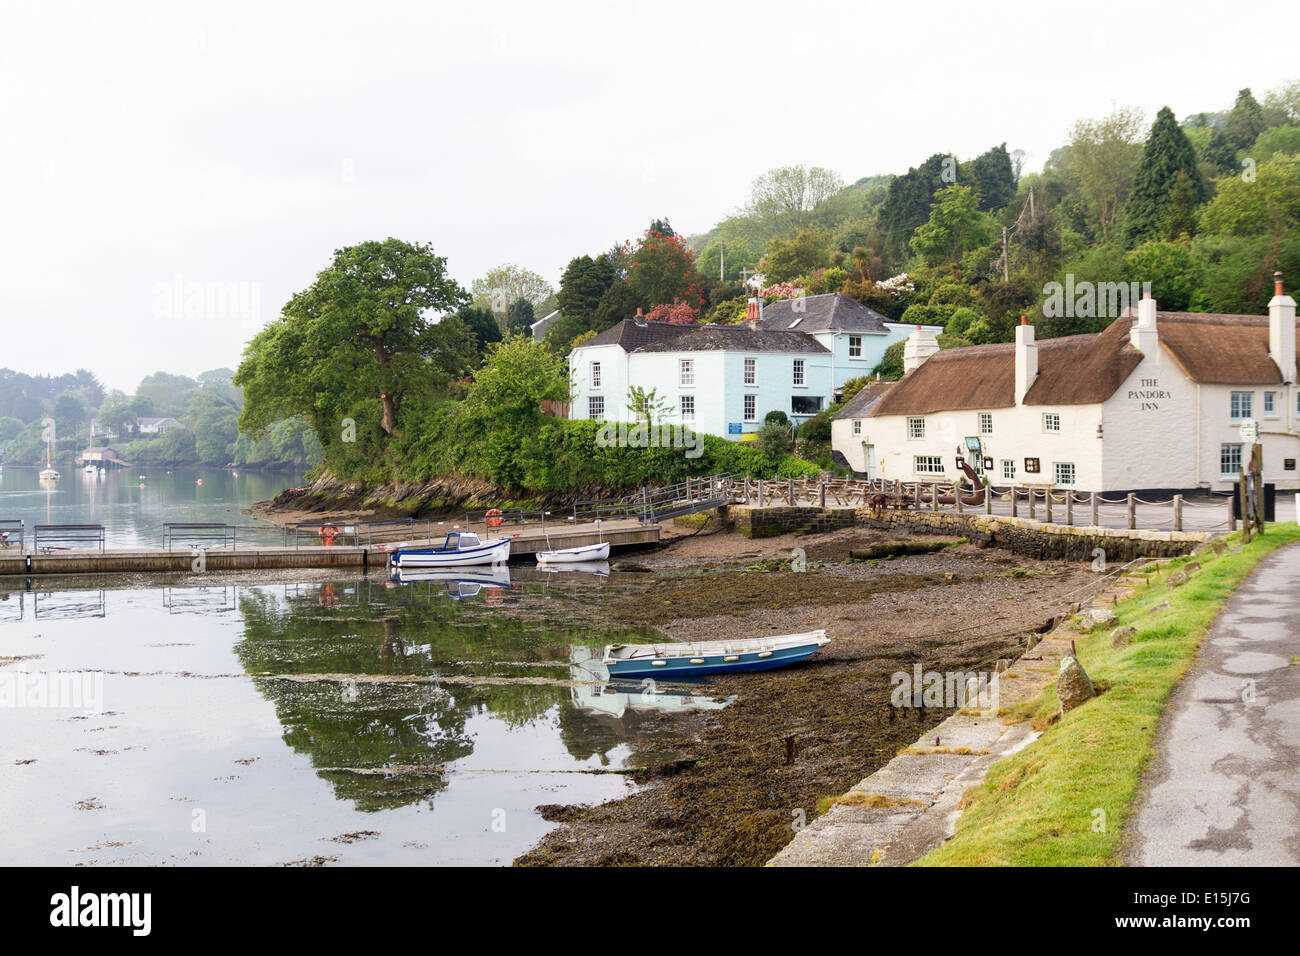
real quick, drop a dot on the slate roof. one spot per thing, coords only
(833, 311)
(648, 336)
(860, 405)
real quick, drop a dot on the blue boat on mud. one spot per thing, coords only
(698, 658)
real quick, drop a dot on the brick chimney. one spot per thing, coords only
(1143, 334)
(1281, 330)
(921, 344)
(639, 319)
(1026, 359)
(754, 312)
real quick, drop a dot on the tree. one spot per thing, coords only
(678, 314)
(360, 333)
(660, 268)
(1168, 187)
(584, 281)
(1246, 120)
(788, 259)
(1269, 206)
(647, 405)
(618, 303)
(995, 178)
(784, 198)
(955, 225)
(1171, 268)
(726, 257)
(519, 317)
(505, 284)
(167, 393)
(1285, 101)
(907, 202)
(1102, 160)
(775, 439)
(482, 324)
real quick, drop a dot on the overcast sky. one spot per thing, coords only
(231, 147)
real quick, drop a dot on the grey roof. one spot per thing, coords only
(647, 336)
(734, 338)
(860, 405)
(833, 311)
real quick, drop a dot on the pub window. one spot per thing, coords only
(929, 465)
(986, 423)
(1242, 406)
(857, 426)
(1051, 422)
(915, 428)
(1009, 469)
(1229, 459)
(1270, 403)
(1063, 473)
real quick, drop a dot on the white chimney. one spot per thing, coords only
(1143, 334)
(1281, 330)
(1026, 359)
(920, 345)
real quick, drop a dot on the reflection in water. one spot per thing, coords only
(459, 583)
(345, 703)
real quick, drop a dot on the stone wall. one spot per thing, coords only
(1021, 535)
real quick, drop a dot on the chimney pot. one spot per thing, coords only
(1024, 320)
(1277, 283)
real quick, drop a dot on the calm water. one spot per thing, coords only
(343, 720)
(133, 509)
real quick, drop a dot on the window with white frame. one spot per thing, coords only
(751, 408)
(857, 426)
(915, 428)
(596, 407)
(1243, 406)
(986, 423)
(1270, 403)
(1229, 459)
(686, 371)
(1051, 422)
(751, 371)
(928, 465)
(798, 371)
(687, 404)
(1009, 469)
(595, 375)
(855, 346)
(1063, 473)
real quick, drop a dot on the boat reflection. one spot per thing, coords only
(598, 568)
(621, 701)
(461, 583)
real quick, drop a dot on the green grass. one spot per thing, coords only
(1044, 806)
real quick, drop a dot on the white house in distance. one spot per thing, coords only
(717, 379)
(855, 335)
(155, 426)
(791, 356)
(1153, 403)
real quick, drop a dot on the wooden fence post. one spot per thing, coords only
(1015, 502)
(762, 502)
(1047, 505)
(790, 493)
(823, 495)
(956, 496)
(1093, 502)
(1178, 512)
(1244, 499)
(1069, 508)
(1132, 511)
(1033, 505)
(988, 499)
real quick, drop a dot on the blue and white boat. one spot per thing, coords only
(711, 657)
(460, 549)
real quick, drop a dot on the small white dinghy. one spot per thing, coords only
(588, 552)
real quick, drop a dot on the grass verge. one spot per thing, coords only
(1064, 800)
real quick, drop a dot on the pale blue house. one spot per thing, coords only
(855, 335)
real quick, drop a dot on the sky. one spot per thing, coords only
(170, 174)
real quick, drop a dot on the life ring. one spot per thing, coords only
(328, 533)
(494, 518)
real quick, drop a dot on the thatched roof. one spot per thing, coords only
(1087, 369)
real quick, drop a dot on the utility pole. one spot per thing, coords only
(1006, 257)
(745, 274)
(1031, 202)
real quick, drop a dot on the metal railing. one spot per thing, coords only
(61, 537)
(12, 533)
(199, 534)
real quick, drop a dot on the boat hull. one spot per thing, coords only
(709, 663)
(496, 552)
(590, 552)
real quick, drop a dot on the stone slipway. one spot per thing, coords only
(910, 806)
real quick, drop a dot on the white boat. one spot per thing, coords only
(48, 473)
(587, 552)
(461, 548)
